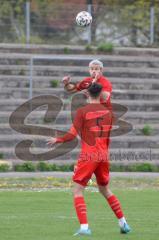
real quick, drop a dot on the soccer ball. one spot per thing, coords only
(83, 19)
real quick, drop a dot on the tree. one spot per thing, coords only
(12, 18)
(135, 14)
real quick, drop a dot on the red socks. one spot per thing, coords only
(115, 206)
(81, 210)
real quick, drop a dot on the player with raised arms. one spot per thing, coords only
(93, 124)
(96, 75)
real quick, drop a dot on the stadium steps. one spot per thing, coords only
(79, 60)
(64, 116)
(137, 128)
(45, 82)
(71, 49)
(23, 70)
(127, 94)
(123, 141)
(132, 105)
(40, 49)
(116, 155)
(133, 72)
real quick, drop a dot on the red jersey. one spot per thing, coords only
(93, 124)
(107, 86)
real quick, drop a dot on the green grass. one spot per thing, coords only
(49, 215)
(65, 183)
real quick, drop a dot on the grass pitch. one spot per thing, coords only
(48, 214)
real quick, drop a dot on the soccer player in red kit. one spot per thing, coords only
(96, 75)
(93, 124)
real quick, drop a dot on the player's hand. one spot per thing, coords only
(66, 80)
(96, 77)
(51, 141)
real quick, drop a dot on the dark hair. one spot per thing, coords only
(95, 90)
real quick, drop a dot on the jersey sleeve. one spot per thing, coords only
(69, 136)
(84, 84)
(107, 86)
(74, 130)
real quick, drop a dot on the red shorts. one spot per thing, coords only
(85, 169)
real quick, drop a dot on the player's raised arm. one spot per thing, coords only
(74, 130)
(68, 85)
(69, 136)
(96, 76)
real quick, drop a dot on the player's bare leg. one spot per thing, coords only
(115, 206)
(78, 190)
(81, 210)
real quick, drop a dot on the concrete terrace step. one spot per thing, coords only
(134, 71)
(132, 105)
(135, 83)
(137, 94)
(37, 117)
(79, 60)
(132, 94)
(44, 82)
(142, 105)
(142, 117)
(40, 49)
(78, 71)
(137, 128)
(54, 49)
(116, 155)
(124, 141)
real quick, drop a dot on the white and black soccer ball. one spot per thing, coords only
(83, 19)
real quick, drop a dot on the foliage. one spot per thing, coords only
(145, 167)
(105, 47)
(136, 167)
(66, 50)
(54, 83)
(53, 20)
(25, 167)
(67, 168)
(114, 167)
(136, 16)
(4, 167)
(43, 166)
(62, 168)
(88, 48)
(12, 15)
(55, 167)
(91, 49)
(147, 130)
